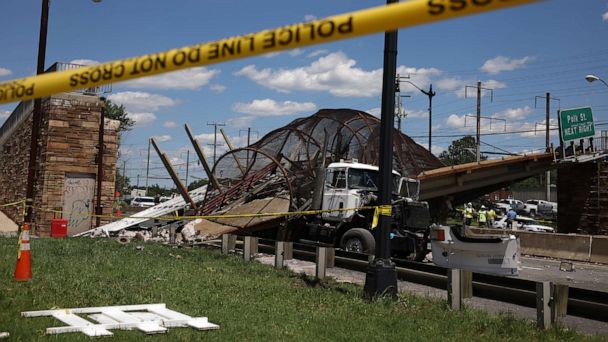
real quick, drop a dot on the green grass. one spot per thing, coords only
(249, 301)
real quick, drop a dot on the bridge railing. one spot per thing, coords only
(594, 146)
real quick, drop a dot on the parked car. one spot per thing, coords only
(541, 207)
(143, 202)
(524, 223)
(505, 204)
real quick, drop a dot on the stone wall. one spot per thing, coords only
(68, 149)
(583, 198)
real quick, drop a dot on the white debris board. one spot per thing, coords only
(149, 318)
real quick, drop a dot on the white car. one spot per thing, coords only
(523, 223)
(505, 204)
(143, 202)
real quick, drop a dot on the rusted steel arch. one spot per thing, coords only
(306, 138)
(249, 172)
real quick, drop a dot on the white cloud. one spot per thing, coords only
(605, 16)
(162, 138)
(84, 61)
(457, 86)
(268, 107)
(192, 79)
(436, 149)
(455, 121)
(170, 124)
(499, 64)
(335, 73)
(416, 114)
(310, 17)
(142, 119)
(217, 88)
(241, 122)
(513, 113)
(376, 111)
(295, 52)
(136, 101)
(4, 114)
(467, 123)
(317, 53)
(5, 72)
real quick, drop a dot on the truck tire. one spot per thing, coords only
(358, 240)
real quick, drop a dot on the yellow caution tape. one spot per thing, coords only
(12, 204)
(384, 210)
(349, 25)
(223, 216)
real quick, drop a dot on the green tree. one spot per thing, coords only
(197, 184)
(461, 151)
(123, 183)
(117, 112)
(156, 190)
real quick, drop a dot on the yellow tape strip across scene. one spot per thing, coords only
(349, 25)
(383, 211)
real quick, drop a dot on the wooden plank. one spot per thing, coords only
(123, 317)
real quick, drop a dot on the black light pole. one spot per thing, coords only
(37, 114)
(430, 94)
(381, 276)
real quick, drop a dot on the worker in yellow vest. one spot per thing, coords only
(491, 217)
(482, 216)
(468, 214)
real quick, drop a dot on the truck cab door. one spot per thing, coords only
(491, 254)
(334, 193)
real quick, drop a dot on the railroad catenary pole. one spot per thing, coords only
(478, 140)
(148, 167)
(381, 276)
(547, 148)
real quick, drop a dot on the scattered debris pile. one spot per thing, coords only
(278, 174)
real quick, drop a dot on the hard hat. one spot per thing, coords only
(483, 207)
(469, 204)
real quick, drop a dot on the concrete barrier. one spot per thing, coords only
(553, 245)
(599, 249)
(562, 246)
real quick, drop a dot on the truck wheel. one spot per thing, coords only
(358, 240)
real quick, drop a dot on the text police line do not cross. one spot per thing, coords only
(349, 25)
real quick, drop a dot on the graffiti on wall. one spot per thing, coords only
(78, 204)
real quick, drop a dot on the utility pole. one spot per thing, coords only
(478, 139)
(381, 275)
(124, 176)
(215, 124)
(148, 167)
(249, 139)
(548, 99)
(37, 115)
(137, 186)
(187, 166)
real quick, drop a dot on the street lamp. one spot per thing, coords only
(593, 78)
(430, 93)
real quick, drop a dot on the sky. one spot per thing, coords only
(519, 53)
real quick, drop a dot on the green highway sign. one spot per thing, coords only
(576, 123)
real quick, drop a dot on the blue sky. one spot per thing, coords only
(520, 53)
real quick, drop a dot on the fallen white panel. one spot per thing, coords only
(490, 254)
(149, 318)
(165, 208)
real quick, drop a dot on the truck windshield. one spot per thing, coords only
(367, 180)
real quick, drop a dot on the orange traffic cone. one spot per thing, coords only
(23, 271)
(118, 211)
